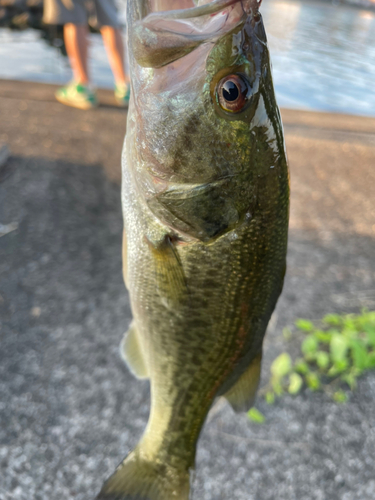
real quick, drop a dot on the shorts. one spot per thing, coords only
(97, 13)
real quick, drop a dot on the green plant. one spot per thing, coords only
(335, 351)
(256, 416)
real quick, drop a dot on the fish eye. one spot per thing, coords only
(233, 93)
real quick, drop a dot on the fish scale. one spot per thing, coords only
(205, 198)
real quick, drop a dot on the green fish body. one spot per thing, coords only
(206, 206)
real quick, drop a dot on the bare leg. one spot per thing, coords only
(114, 45)
(75, 38)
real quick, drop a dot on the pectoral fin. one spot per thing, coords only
(170, 277)
(242, 395)
(131, 353)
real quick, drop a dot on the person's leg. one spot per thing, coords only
(73, 16)
(76, 43)
(114, 45)
(112, 37)
(78, 93)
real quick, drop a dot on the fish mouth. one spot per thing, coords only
(160, 36)
(159, 8)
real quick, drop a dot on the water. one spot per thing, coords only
(323, 56)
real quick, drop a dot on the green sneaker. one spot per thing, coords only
(122, 95)
(77, 95)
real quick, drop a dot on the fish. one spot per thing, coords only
(205, 195)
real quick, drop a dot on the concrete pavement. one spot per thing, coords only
(69, 409)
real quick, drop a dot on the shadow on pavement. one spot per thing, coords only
(69, 408)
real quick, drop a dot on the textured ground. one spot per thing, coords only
(69, 410)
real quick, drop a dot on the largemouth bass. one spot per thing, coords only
(206, 204)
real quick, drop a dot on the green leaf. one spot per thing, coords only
(332, 319)
(270, 397)
(341, 365)
(359, 354)
(370, 361)
(369, 317)
(305, 325)
(349, 322)
(281, 366)
(309, 347)
(340, 397)
(338, 347)
(321, 336)
(256, 416)
(370, 331)
(338, 367)
(313, 381)
(350, 379)
(322, 359)
(295, 383)
(332, 372)
(301, 366)
(349, 333)
(276, 386)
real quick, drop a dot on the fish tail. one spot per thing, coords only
(139, 479)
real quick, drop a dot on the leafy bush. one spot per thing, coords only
(334, 353)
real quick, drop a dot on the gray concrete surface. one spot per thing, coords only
(69, 409)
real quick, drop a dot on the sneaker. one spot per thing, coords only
(77, 95)
(122, 95)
